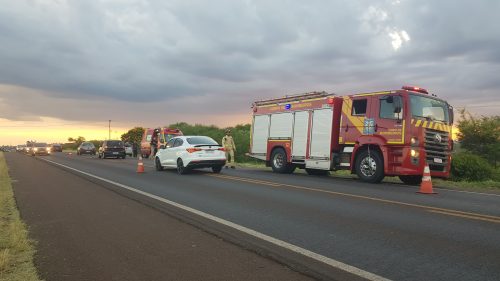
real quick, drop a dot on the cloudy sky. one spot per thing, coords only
(68, 65)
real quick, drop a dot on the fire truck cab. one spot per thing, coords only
(388, 133)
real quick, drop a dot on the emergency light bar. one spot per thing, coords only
(415, 89)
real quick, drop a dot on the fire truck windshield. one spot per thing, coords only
(429, 108)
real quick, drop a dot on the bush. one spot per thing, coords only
(469, 167)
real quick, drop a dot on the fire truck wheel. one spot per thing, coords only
(316, 172)
(411, 180)
(370, 167)
(279, 162)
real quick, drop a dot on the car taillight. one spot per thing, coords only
(193, 149)
(222, 149)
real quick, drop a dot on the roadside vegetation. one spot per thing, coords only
(16, 249)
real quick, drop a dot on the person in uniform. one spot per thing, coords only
(230, 147)
(154, 143)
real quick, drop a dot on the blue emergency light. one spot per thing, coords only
(288, 106)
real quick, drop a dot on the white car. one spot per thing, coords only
(128, 149)
(190, 152)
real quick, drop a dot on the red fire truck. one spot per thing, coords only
(388, 133)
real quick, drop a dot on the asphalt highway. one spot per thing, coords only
(387, 230)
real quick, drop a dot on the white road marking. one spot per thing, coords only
(315, 256)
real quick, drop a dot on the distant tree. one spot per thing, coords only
(480, 135)
(77, 141)
(133, 135)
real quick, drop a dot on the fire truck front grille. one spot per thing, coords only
(436, 148)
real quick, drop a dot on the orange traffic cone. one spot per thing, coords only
(140, 166)
(426, 185)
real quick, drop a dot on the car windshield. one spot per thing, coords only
(41, 144)
(201, 140)
(87, 144)
(115, 143)
(429, 108)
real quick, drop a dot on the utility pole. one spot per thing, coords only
(109, 137)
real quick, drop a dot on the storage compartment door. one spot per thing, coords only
(260, 134)
(321, 134)
(281, 126)
(300, 126)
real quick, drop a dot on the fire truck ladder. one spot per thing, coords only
(290, 98)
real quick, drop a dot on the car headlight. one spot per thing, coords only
(414, 153)
(414, 141)
(35, 149)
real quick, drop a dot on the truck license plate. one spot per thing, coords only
(438, 160)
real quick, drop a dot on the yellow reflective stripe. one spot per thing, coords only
(424, 125)
(372, 94)
(419, 122)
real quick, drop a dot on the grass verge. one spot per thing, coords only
(16, 249)
(490, 185)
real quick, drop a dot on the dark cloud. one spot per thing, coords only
(209, 58)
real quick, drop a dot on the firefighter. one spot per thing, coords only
(154, 143)
(230, 147)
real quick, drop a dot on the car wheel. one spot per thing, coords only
(411, 180)
(181, 170)
(316, 172)
(217, 169)
(279, 162)
(124, 156)
(370, 166)
(158, 165)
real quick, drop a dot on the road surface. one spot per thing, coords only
(336, 225)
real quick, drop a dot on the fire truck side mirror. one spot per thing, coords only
(397, 104)
(451, 114)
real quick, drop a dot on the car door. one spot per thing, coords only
(164, 153)
(176, 150)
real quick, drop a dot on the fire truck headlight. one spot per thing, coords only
(414, 141)
(414, 153)
(35, 149)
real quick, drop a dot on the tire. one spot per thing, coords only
(124, 156)
(370, 168)
(217, 169)
(99, 155)
(279, 164)
(316, 172)
(181, 170)
(158, 165)
(411, 180)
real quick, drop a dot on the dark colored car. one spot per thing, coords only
(112, 148)
(40, 148)
(56, 147)
(86, 148)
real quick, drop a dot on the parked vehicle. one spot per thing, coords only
(112, 148)
(40, 148)
(55, 147)
(165, 135)
(21, 148)
(128, 149)
(393, 133)
(185, 153)
(86, 148)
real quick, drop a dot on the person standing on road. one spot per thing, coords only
(134, 149)
(230, 148)
(154, 143)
